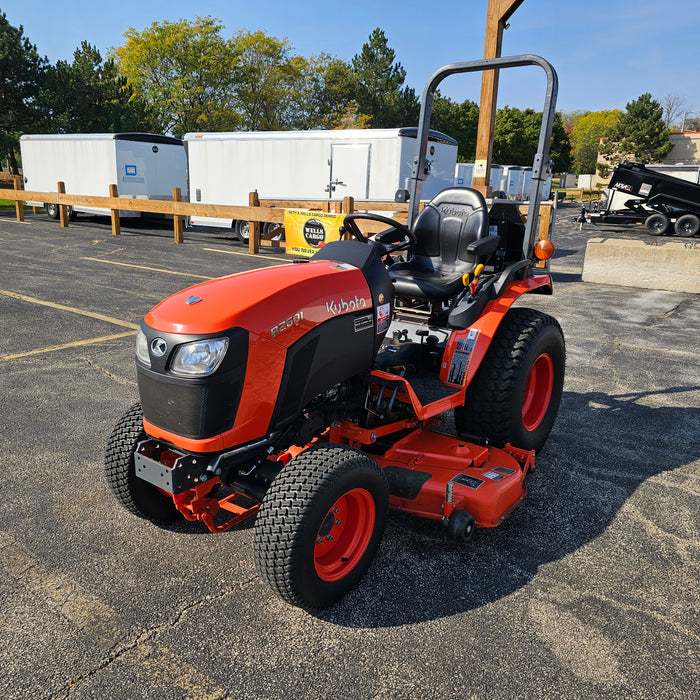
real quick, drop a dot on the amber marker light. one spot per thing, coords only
(544, 250)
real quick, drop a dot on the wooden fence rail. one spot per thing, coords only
(258, 211)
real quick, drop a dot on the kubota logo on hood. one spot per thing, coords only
(341, 306)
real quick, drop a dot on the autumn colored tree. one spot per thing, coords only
(185, 72)
(267, 81)
(639, 135)
(586, 135)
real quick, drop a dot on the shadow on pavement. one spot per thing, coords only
(589, 469)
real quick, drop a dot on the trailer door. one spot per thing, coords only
(349, 173)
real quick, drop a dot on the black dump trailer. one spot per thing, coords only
(664, 204)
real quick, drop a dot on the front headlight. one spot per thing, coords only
(200, 358)
(142, 348)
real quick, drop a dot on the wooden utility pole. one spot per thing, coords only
(497, 15)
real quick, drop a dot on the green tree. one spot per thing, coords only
(21, 74)
(185, 74)
(380, 93)
(268, 81)
(586, 135)
(88, 95)
(326, 100)
(460, 120)
(640, 135)
(516, 135)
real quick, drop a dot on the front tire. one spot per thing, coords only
(515, 394)
(136, 495)
(242, 231)
(320, 525)
(52, 211)
(657, 224)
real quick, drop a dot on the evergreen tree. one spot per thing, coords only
(639, 135)
(21, 74)
(380, 93)
(89, 96)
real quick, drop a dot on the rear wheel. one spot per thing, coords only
(515, 394)
(320, 524)
(657, 224)
(136, 495)
(687, 225)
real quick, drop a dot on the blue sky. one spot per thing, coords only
(606, 53)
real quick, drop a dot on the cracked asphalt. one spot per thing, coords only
(590, 589)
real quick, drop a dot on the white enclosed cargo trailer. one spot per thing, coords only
(367, 164)
(143, 166)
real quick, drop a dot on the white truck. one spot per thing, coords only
(143, 166)
(367, 164)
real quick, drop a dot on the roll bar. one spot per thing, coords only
(541, 166)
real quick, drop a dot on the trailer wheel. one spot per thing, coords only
(657, 224)
(687, 225)
(320, 525)
(515, 394)
(271, 226)
(52, 210)
(242, 230)
(136, 495)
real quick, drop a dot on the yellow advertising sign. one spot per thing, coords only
(306, 231)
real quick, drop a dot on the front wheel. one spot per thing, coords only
(657, 224)
(136, 495)
(515, 394)
(320, 525)
(52, 211)
(242, 230)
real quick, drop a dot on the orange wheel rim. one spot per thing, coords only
(344, 535)
(538, 392)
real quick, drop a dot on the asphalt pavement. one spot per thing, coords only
(590, 589)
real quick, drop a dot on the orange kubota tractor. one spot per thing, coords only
(322, 393)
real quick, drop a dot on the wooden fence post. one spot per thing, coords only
(62, 208)
(253, 226)
(178, 221)
(19, 206)
(348, 208)
(116, 225)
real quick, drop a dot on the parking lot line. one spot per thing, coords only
(151, 269)
(247, 255)
(74, 344)
(72, 309)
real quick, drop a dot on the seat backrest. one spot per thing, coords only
(447, 225)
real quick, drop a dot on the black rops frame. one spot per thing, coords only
(541, 166)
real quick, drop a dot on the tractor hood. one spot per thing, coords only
(262, 301)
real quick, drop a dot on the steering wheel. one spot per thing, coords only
(408, 239)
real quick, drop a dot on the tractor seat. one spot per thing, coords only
(452, 238)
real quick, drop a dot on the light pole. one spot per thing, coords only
(685, 114)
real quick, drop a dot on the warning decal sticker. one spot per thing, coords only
(469, 481)
(383, 317)
(461, 357)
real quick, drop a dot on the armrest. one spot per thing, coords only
(484, 247)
